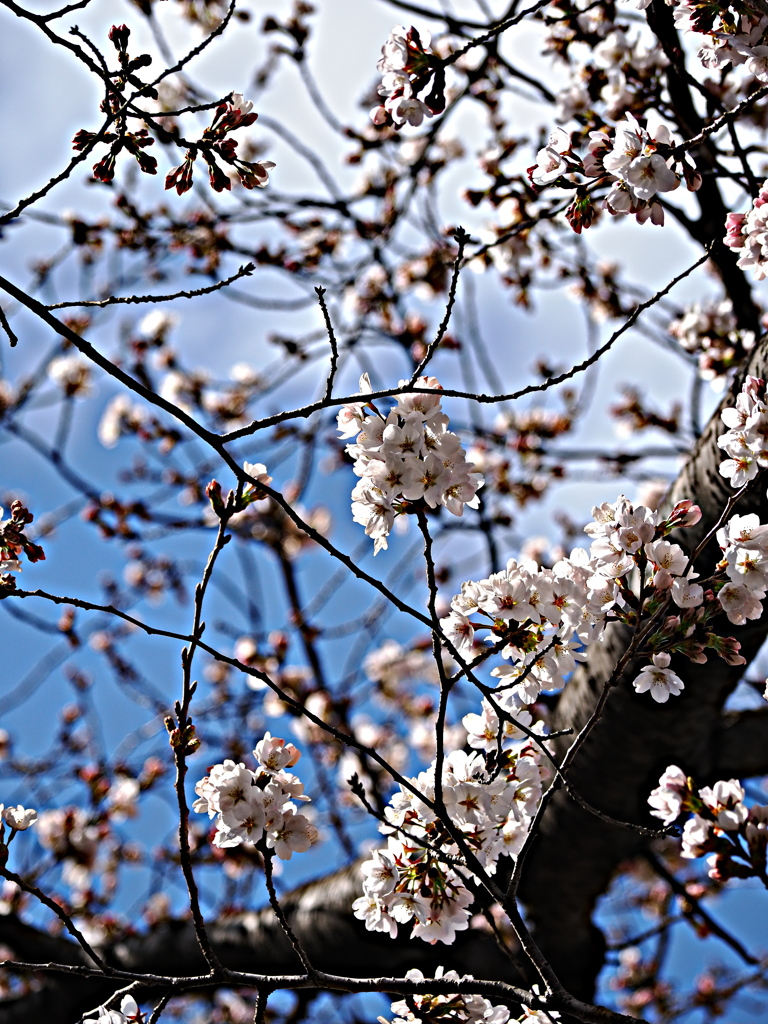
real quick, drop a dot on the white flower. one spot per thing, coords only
(294, 834)
(18, 817)
(659, 679)
(696, 833)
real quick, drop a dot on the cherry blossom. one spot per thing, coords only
(406, 461)
(408, 66)
(659, 679)
(18, 818)
(253, 805)
(410, 879)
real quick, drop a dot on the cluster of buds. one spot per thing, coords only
(746, 234)
(461, 1009)
(721, 824)
(408, 66)
(230, 115)
(134, 143)
(13, 542)
(640, 162)
(257, 806)
(421, 875)
(407, 461)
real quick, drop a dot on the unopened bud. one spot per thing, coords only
(119, 35)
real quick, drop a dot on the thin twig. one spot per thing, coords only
(320, 292)
(191, 293)
(462, 238)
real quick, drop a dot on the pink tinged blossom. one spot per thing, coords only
(380, 874)
(407, 110)
(740, 603)
(408, 905)
(425, 479)
(687, 595)
(374, 913)
(743, 530)
(667, 800)
(659, 680)
(295, 834)
(274, 754)
(549, 160)
(628, 145)
(648, 175)
(739, 470)
(749, 566)
(725, 800)
(670, 557)
(734, 230)
(458, 629)
(245, 819)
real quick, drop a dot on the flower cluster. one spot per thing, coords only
(425, 1009)
(419, 876)
(745, 440)
(721, 825)
(735, 34)
(639, 160)
(746, 234)
(710, 332)
(744, 542)
(408, 65)
(215, 145)
(251, 805)
(547, 616)
(544, 618)
(75, 839)
(406, 461)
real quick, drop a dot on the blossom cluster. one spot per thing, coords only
(745, 440)
(407, 65)
(418, 876)
(406, 460)
(544, 618)
(620, 68)
(75, 838)
(423, 1009)
(251, 805)
(744, 542)
(548, 616)
(639, 161)
(722, 825)
(734, 34)
(745, 233)
(710, 332)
